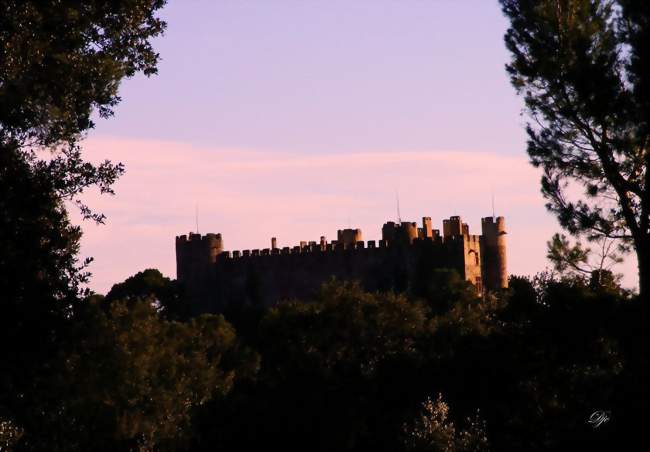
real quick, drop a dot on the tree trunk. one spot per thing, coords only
(643, 256)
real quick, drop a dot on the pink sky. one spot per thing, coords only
(251, 195)
(294, 119)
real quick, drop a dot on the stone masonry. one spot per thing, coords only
(214, 278)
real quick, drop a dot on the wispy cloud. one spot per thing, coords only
(251, 195)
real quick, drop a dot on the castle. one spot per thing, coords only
(214, 279)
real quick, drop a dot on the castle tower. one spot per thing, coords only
(493, 246)
(349, 237)
(194, 253)
(195, 256)
(409, 231)
(405, 232)
(452, 227)
(427, 232)
(389, 231)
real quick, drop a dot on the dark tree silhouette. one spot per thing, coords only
(150, 284)
(583, 69)
(59, 62)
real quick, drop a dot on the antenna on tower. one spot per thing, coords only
(196, 216)
(399, 216)
(493, 204)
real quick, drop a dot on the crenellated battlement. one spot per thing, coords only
(337, 247)
(394, 234)
(195, 237)
(210, 271)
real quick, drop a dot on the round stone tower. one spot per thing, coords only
(349, 236)
(493, 250)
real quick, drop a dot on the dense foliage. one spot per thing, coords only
(127, 379)
(350, 371)
(39, 283)
(151, 284)
(61, 61)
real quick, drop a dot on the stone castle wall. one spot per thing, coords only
(214, 278)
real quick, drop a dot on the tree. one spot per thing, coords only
(39, 283)
(576, 260)
(132, 379)
(59, 63)
(344, 328)
(151, 284)
(583, 67)
(433, 431)
(9, 435)
(333, 375)
(441, 288)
